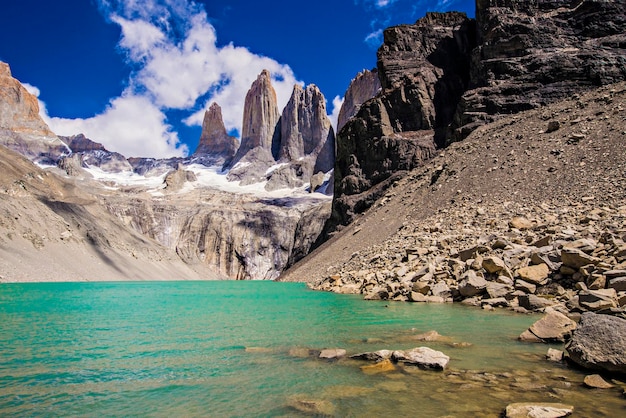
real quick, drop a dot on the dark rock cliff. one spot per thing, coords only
(446, 75)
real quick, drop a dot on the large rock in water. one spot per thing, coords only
(552, 328)
(422, 357)
(215, 145)
(21, 127)
(599, 343)
(363, 87)
(538, 410)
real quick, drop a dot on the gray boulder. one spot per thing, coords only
(599, 343)
(422, 357)
(553, 327)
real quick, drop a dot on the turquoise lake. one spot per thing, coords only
(235, 349)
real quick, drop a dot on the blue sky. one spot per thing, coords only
(137, 75)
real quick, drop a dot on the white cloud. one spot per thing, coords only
(131, 125)
(172, 48)
(374, 39)
(334, 116)
(32, 89)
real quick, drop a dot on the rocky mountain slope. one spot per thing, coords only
(446, 75)
(527, 211)
(100, 216)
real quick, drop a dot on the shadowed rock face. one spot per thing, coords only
(423, 70)
(21, 128)
(534, 53)
(446, 75)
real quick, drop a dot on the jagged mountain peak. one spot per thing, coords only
(214, 140)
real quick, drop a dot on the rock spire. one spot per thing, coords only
(214, 140)
(260, 118)
(305, 127)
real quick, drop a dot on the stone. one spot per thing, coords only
(421, 287)
(441, 289)
(493, 264)
(595, 300)
(534, 303)
(215, 144)
(618, 283)
(498, 290)
(310, 406)
(534, 274)
(332, 353)
(525, 286)
(596, 381)
(383, 366)
(553, 125)
(599, 343)
(538, 410)
(521, 223)
(375, 356)
(576, 259)
(422, 357)
(554, 355)
(472, 284)
(554, 327)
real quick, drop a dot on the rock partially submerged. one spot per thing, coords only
(422, 357)
(599, 343)
(538, 410)
(554, 327)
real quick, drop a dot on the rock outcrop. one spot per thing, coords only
(260, 120)
(284, 152)
(21, 127)
(422, 68)
(446, 75)
(306, 135)
(599, 343)
(215, 146)
(363, 87)
(534, 53)
(94, 154)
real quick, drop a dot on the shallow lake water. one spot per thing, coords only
(241, 349)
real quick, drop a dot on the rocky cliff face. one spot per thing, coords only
(446, 75)
(215, 146)
(363, 87)
(21, 128)
(534, 53)
(422, 69)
